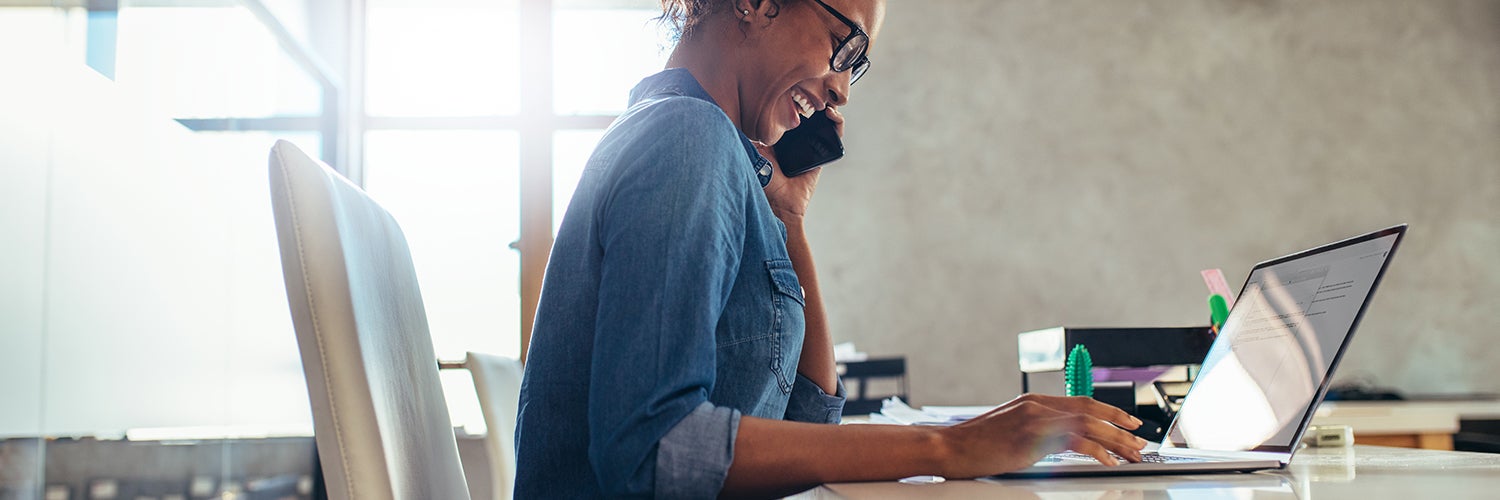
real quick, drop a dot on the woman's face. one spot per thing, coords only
(789, 63)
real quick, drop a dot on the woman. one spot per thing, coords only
(680, 346)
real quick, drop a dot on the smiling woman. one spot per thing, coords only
(680, 347)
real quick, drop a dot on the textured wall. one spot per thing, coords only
(1016, 165)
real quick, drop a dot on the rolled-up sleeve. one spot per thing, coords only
(672, 233)
(809, 403)
(693, 459)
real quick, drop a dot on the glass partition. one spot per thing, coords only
(146, 349)
(212, 61)
(23, 207)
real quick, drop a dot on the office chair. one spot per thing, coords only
(498, 381)
(862, 373)
(381, 424)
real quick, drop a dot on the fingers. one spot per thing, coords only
(1062, 423)
(1083, 405)
(837, 118)
(1122, 443)
(1081, 433)
(1017, 433)
(1091, 448)
(1108, 413)
(1100, 435)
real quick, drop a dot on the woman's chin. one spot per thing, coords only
(771, 134)
(775, 137)
(780, 123)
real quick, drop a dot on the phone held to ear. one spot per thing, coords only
(809, 146)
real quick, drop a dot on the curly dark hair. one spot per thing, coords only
(682, 16)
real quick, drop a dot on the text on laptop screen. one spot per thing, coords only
(1276, 349)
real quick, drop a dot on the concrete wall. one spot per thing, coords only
(1021, 164)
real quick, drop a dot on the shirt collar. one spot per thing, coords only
(678, 81)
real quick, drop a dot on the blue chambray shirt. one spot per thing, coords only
(670, 308)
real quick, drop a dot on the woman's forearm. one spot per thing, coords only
(817, 346)
(777, 458)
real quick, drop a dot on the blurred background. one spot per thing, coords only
(1012, 165)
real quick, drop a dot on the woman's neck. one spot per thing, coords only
(713, 66)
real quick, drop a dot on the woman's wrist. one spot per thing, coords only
(942, 441)
(792, 220)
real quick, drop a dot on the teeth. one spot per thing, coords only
(807, 109)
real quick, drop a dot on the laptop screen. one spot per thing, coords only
(1275, 353)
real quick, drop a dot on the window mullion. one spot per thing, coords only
(536, 155)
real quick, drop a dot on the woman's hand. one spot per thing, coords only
(789, 196)
(771, 456)
(1018, 433)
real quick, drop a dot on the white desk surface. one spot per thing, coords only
(1360, 472)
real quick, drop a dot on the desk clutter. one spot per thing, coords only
(868, 381)
(1118, 366)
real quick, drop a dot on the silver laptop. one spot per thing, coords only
(1269, 368)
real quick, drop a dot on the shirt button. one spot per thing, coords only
(765, 171)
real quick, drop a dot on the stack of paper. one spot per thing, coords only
(896, 411)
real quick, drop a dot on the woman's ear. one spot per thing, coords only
(756, 11)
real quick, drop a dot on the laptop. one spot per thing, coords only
(1268, 369)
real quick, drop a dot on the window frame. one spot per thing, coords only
(343, 120)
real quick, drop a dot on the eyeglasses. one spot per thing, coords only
(850, 54)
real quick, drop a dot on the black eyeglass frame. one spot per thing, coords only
(859, 65)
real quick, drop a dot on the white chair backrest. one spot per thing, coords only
(381, 422)
(497, 379)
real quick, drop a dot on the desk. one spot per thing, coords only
(1361, 472)
(1408, 424)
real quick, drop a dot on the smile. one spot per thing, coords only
(804, 104)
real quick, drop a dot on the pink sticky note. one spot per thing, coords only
(1214, 278)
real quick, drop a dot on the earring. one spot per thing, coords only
(745, 12)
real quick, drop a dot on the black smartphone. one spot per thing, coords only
(809, 146)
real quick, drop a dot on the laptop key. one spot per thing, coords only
(1152, 457)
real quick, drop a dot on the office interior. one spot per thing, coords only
(1010, 166)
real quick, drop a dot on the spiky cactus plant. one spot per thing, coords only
(1079, 373)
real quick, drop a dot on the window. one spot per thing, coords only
(442, 58)
(454, 193)
(470, 120)
(570, 154)
(602, 50)
(457, 119)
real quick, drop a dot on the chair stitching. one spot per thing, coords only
(317, 331)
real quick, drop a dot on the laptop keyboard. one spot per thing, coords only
(1150, 458)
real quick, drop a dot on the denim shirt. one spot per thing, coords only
(669, 310)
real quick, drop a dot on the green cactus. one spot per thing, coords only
(1079, 374)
